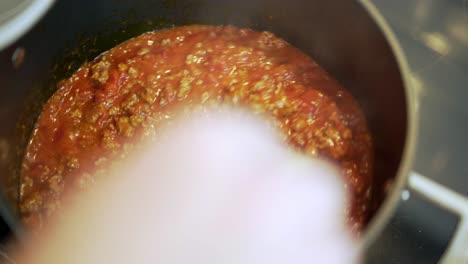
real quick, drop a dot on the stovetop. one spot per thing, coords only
(434, 36)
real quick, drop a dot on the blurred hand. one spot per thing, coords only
(214, 189)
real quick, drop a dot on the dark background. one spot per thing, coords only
(434, 36)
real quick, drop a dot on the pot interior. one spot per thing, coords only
(339, 35)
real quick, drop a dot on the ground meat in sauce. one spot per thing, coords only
(128, 92)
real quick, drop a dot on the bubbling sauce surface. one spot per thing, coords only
(106, 106)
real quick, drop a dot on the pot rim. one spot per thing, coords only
(388, 207)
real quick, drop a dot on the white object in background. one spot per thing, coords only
(457, 252)
(17, 17)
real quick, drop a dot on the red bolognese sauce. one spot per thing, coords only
(129, 91)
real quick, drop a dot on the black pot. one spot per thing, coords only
(347, 38)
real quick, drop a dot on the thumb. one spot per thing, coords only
(216, 189)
